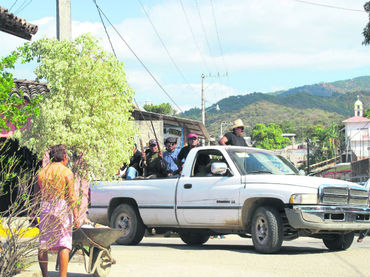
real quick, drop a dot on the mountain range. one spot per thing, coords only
(294, 109)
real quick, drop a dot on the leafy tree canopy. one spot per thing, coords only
(366, 31)
(14, 108)
(324, 141)
(164, 108)
(88, 108)
(268, 137)
(367, 112)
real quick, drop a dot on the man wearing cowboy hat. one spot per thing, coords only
(236, 136)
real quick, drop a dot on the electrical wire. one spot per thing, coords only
(105, 28)
(204, 30)
(193, 36)
(137, 57)
(114, 52)
(23, 6)
(164, 45)
(15, 2)
(218, 35)
(328, 6)
(220, 46)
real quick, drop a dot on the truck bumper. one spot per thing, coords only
(328, 217)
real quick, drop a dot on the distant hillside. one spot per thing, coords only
(322, 103)
(328, 89)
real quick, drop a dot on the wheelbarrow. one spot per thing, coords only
(95, 246)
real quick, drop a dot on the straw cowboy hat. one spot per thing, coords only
(237, 123)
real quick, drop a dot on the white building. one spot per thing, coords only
(357, 130)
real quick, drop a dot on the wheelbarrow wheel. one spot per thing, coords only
(103, 264)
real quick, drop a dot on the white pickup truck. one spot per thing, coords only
(234, 190)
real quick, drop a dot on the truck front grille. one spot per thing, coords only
(343, 195)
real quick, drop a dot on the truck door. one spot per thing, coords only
(204, 199)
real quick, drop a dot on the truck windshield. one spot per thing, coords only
(258, 162)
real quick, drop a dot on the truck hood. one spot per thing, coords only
(295, 180)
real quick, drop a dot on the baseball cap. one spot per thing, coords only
(152, 142)
(170, 140)
(192, 135)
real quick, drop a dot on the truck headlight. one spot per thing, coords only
(304, 198)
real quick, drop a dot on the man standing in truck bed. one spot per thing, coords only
(170, 156)
(236, 136)
(153, 162)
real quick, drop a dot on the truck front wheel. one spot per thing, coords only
(191, 238)
(267, 230)
(127, 218)
(339, 242)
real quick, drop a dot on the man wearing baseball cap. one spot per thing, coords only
(170, 156)
(153, 162)
(192, 142)
(235, 137)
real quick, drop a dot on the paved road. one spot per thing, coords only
(233, 256)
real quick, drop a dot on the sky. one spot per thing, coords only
(241, 46)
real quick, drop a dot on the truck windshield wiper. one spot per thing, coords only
(259, 172)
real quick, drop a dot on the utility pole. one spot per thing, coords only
(202, 103)
(203, 98)
(64, 28)
(308, 155)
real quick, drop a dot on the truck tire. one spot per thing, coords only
(127, 218)
(339, 242)
(267, 230)
(192, 239)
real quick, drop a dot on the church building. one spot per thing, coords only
(357, 132)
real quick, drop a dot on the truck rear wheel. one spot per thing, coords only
(191, 238)
(267, 230)
(339, 242)
(127, 218)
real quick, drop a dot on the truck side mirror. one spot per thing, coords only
(219, 168)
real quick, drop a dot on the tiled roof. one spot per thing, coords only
(30, 88)
(14, 25)
(355, 119)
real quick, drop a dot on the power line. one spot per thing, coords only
(23, 6)
(164, 45)
(15, 2)
(105, 28)
(193, 36)
(218, 35)
(204, 29)
(137, 57)
(328, 6)
(114, 52)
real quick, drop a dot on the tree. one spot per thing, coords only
(164, 108)
(88, 108)
(325, 142)
(268, 137)
(367, 112)
(14, 109)
(366, 31)
(16, 179)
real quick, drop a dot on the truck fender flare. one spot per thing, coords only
(115, 202)
(251, 204)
